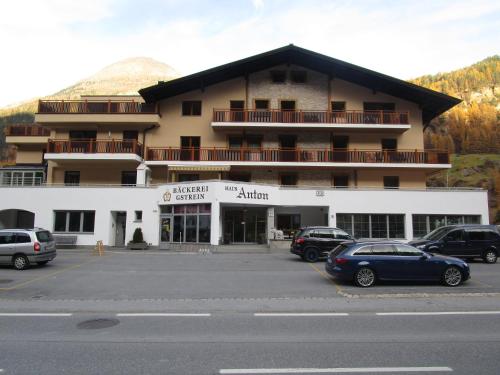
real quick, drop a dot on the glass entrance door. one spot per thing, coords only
(166, 229)
(245, 226)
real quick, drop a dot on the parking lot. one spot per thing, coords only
(78, 275)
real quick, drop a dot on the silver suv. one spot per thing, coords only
(22, 247)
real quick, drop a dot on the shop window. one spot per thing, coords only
(191, 108)
(391, 182)
(278, 76)
(423, 224)
(74, 221)
(72, 178)
(372, 225)
(288, 223)
(191, 223)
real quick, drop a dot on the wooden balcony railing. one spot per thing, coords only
(312, 117)
(104, 107)
(95, 146)
(25, 130)
(298, 155)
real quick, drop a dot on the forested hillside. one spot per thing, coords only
(472, 126)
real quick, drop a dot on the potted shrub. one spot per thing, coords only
(137, 242)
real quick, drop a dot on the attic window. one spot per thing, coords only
(278, 76)
(298, 76)
(191, 108)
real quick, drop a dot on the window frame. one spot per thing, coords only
(188, 108)
(67, 221)
(276, 74)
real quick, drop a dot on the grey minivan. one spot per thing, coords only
(24, 247)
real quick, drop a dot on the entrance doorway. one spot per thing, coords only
(119, 219)
(247, 225)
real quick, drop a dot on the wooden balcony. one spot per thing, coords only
(94, 146)
(81, 112)
(104, 107)
(257, 156)
(26, 130)
(311, 117)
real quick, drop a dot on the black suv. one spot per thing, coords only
(312, 243)
(463, 241)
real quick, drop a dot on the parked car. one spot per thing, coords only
(366, 262)
(463, 241)
(24, 247)
(313, 243)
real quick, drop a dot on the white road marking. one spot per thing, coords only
(163, 314)
(338, 370)
(36, 314)
(301, 314)
(439, 313)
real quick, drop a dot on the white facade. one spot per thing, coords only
(105, 201)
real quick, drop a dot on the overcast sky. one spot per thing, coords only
(49, 44)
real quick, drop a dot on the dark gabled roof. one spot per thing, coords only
(432, 102)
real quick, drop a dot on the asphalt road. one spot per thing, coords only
(238, 314)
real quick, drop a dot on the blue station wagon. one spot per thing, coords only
(366, 262)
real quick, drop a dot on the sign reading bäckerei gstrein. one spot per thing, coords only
(186, 193)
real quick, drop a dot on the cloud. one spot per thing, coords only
(258, 4)
(45, 49)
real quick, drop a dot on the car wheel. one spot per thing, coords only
(365, 277)
(311, 255)
(20, 262)
(42, 263)
(452, 276)
(490, 256)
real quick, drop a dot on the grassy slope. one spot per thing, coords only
(474, 170)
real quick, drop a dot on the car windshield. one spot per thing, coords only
(436, 234)
(44, 236)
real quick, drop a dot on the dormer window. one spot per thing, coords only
(298, 76)
(278, 76)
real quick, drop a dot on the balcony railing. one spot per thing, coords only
(298, 155)
(312, 117)
(23, 130)
(104, 107)
(95, 146)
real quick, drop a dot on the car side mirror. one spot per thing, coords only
(424, 257)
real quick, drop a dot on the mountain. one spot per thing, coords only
(121, 78)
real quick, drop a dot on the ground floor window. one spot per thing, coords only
(74, 221)
(185, 223)
(288, 223)
(372, 225)
(423, 224)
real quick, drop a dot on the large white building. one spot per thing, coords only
(277, 141)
